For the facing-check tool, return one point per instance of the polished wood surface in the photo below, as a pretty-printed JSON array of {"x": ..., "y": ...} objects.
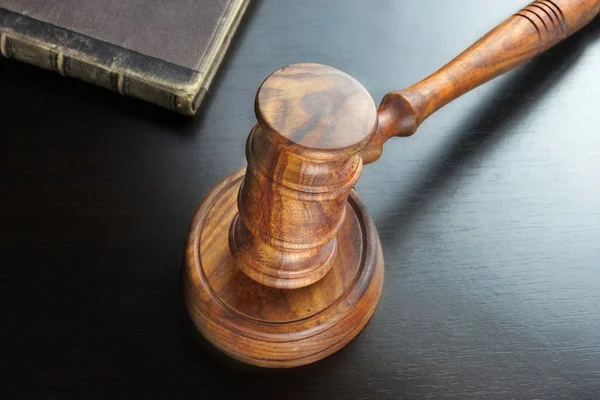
[
  {"x": 526, "y": 34},
  {"x": 303, "y": 160},
  {"x": 283, "y": 263},
  {"x": 316, "y": 107},
  {"x": 316, "y": 127},
  {"x": 488, "y": 219},
  {"x": 269, "y": 326}
]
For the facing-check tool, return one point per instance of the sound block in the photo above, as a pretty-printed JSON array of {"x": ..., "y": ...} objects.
[{"x": 272, "y": 327}]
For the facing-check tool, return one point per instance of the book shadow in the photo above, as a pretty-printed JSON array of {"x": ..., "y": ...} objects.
[{"x": 51, "y": 90}]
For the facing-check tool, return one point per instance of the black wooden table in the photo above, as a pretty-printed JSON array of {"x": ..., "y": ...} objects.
[{"x": 489, "y": 218}]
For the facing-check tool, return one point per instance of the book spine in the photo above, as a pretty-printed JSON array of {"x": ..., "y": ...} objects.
[{"x": 51, "y": 57}]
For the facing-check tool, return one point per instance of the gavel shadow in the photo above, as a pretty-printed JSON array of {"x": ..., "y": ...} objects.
[
  {"x": 248, "y": 380},
  {"x": 487, "y": 125}
]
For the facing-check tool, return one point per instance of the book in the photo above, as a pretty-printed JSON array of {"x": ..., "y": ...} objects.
[{"x": 162, "y": 51}]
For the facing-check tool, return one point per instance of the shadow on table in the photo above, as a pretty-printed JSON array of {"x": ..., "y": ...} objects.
[
  {"x": 293, "y": 383},
  {"x": 484, "y": 127},
  {"x": 23, "y": 78},
  {"x": 199, "y": 358},
  {"x": 488, "y": 124}
]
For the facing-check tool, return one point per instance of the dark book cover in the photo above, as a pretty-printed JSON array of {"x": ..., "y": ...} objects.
[{"x": 162, "y": 51}]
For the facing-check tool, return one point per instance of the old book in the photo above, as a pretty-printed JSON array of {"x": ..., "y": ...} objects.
[{"x": 162, "y": 51}]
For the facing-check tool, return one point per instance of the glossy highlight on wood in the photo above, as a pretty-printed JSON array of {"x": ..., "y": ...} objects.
[
  {"x": 314, "y": 106},
  {"x": 529, "y": 32},
  {"x": 283, "y": 263},
  {"x": 303, "y": 160},
  {"x": 271, "y": 327}
]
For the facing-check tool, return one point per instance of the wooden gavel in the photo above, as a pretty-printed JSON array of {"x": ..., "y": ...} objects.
[{"x": 283, "y": 263}]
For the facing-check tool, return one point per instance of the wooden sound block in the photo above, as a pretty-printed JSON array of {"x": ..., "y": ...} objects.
[{"x": 273, "y": 327}]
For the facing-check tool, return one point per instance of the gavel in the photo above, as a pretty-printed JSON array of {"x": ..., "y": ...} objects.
[{"x": 283, "y": 263}]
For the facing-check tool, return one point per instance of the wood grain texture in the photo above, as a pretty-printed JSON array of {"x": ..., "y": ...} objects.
[
  {"x": 489, "y": 220},
  {"x": 283, "y": 265},
  {"x": 267, "y": 326},
  {"x": 317, "y": 107},
  {"x": 526, "y": 34},
  {"x": 304, "y": 156},
  {"x": 303, "y": 160}
]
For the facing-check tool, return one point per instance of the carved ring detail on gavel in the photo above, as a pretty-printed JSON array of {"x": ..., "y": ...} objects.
[{"x": 283, "y": 264}]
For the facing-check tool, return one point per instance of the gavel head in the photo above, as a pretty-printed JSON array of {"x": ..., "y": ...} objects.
[
  {"x": 303, "y": 160},
  {"x": 283, "y": 264}
]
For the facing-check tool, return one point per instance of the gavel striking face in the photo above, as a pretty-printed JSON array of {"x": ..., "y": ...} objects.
[{"x": 283, "y": 263}]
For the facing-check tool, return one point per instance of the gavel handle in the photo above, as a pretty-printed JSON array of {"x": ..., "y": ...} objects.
[{"x": 529, "y": 32}]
